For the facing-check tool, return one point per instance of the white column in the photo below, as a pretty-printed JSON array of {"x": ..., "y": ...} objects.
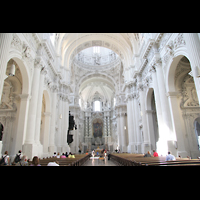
[
  {"x": 162, "y": 142},
  {"x": 169, "y": 136},
  {"x": 178, "y": 124},
  {"x": 122, "y": 132},
  {"x": 63, "y": 122},
  {"x": 144, "y": 119},
  {"x": 108, "y": 125},
  {"x": 60, "y": 118},
  {"x": 130, "y": 124},
  {"x": 22, "y": 122},
  {"x": 86, "y": 124},
  {"x": 118, "y": 131},
  {"x": 47, "y": 119},
  {"x": 5, "y": 41},
  {"x": 164, "y": 101},
  {"x": 150, "y": 127},
  {"x": 90, "y": 125},
  {"x": 39, "y": 108},
  {"x": 193, "y": 48},
  {"x": 137, "y": 131},
  {"x": 104, "y": 124},
  {"x": 52, "y": 147},
  {"x": 29, "y": 147},
  {"x": 134, "y": 134},
  {"x": 33, "y": 105}
]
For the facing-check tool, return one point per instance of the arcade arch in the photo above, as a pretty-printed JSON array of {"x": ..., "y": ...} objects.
[
  {"x": 13, "y": 107},
  {"x": 71, "y": 44},
  {"x": 184, "y": 105}
]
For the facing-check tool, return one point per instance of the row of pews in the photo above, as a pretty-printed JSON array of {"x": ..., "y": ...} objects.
[
  {"x": 127, "y": 159},
  {"x": 79, "y": 160}
]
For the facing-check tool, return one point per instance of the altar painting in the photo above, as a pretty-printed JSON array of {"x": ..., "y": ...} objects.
[{"x": 97, "y": 128}]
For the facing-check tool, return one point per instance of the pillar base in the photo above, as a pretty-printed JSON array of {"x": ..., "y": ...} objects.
[
  {"x": 124, "y": 149},
  {"x": 162, "y": 147},
  {"x": 183, "y": 154},
  {"x": 51, "y": 150},
  {"x": 172, "y": 147},
  {"x": 146, "y": 147},
  {"x": 31, "y": 150},
  {"x": 131, "y": 148}
]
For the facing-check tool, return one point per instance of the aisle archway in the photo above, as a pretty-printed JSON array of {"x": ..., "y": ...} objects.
[
  {"x": 14, "y": 105},
  {"x": 184, "y": 105}
]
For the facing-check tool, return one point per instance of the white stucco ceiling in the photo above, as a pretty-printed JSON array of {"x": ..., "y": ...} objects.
[
  {"x": 70, "y": 44},
  {"x": 96, "y": 84}
]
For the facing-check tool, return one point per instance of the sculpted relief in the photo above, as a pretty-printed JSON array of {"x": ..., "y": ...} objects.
[{"x": 189, "y": 94}]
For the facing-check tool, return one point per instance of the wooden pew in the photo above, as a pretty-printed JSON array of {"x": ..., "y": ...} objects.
[
  {"x": 121, "y": 160},
  {"x": 140, "y": 160},
  {"x": 77, "y": 161}
]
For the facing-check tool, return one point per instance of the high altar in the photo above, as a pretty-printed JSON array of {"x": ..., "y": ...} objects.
[
  {"x": 97, "y": 130},
  {"x": 98, "y": 150}
]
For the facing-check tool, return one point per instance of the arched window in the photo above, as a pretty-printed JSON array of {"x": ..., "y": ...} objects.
[
  {"x": 114, "y": 102},
  {"x": 97, "y": 105},
  {"x": 96, "y": 49}
]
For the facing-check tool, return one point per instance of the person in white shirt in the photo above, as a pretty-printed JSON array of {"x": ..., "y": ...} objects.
[
  {"x": 53, "y": 164},
  {"x": 54, "y": 155},
  {"x": 58, "y": 155},
  {"x": 170, "y": 157},
  {"x": 6, "y": 158}
]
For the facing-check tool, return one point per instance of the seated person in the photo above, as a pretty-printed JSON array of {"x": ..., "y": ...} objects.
[
  {"x": 63, "y": 156},
  {"x": 148, "y": 154},
  {"x": 71, "y": 155},
  {"x": 54, "y": 163},
  {"x": 170, "y": 157},
  {"x": 155, "y": 154},
  {"x": 54, "y": 155}
]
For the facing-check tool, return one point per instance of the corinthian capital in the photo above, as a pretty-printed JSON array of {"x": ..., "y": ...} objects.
[
  {"x": 140, "y": 86},
  {"x": 38, "y": 63},
  {"x": 54, "y": 88},
  {"x": 158, "y": 62}
]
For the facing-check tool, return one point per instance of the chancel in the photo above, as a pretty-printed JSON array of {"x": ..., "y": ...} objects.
[{"x": 134, "y": 92}]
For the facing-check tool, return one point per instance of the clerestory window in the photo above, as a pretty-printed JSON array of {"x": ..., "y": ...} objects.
[
  {"x": 97, "y": 106},
  {"x": 96, "y": 49}
]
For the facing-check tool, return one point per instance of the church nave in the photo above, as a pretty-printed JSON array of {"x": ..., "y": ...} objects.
[
  {"x": 125, "y": 92},
  {"x": 97, "y": 162}
]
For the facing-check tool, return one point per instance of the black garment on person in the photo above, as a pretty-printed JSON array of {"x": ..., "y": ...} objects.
[
  {"x": 147, "y": 155},
  {"x": 17, "y": 158}
]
